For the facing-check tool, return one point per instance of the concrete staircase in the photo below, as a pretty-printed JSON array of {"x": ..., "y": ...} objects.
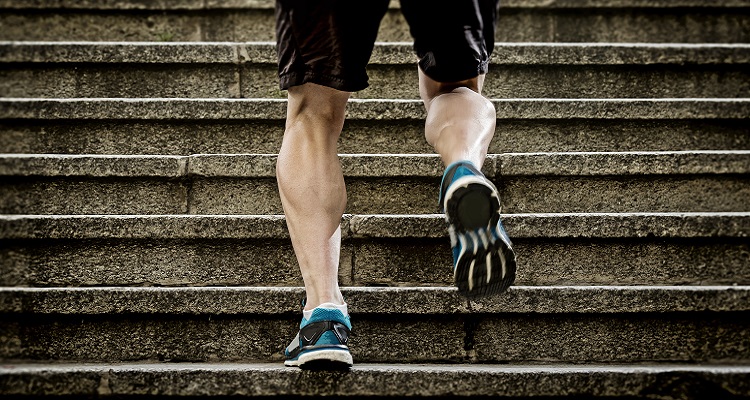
[{"x": 144, "y": 254}]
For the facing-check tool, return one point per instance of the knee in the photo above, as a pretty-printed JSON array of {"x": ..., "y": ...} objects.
[{"x": 315, "y": 110}]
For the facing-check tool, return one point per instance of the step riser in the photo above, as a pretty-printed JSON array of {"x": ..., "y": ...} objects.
[
  {"x": 157, "y": 381},
  {"x": 217, "y": 379},
  {"x": 385, "y": 137},
  {"x": 680, "y": 337},
  {"x": 652, "y": 24},
  {"x": 261, "y": 81},
  {"x": 368, "y": 262},
  {"x": 384, "y": 195}
]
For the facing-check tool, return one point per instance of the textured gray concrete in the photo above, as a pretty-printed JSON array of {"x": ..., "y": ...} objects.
[
  {"x": 519, "y": 71},
  {"x": 157, "y": 262},
  {"x": 220, "y": 338},
  {"x": 563, "y": 225},
  {"x": 394, "y": 4},
  {"x": 210, "y": 379},
  {"x": 371, "y": 110},
  {"x": 523, "y": 21},
  {"x": 562, "y": 262},
  {"x": 383, "y": 184},
  {"x": 22, "y": 195},
  {"x": 188, "y": 80},
  {"x": 625, "y": 163},
  {"x": 575, "y": 164},
  {"x": 604, "y": 225},
  {"x": 598, "y": 250},
  {"x": 369, "y": 262},
  {"x": 184, "y": 137},
  {"x": 624, "y": 194},
  {"x": 394, "y": 302},
  {"x": 203, "y": 324},
  {"x": 92, "y": 166},
  {"x": 144, "y": 227},
  {"x": 618, "y": 338}
]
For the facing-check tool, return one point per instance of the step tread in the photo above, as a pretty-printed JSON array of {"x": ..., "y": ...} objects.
[
  {"x": 394, "y": 53},
  {"x": 367, "y": 109},
  {"x": 558, "y": 225},
  {"x": 273, "y": 379},
  {"x": 381, "y": 165},
  {"x": 269, "y": 4},
  {"x": 374, "y": 300}
]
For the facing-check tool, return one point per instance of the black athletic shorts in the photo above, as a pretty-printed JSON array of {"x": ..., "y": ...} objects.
[{"x": 329, "y": 42}]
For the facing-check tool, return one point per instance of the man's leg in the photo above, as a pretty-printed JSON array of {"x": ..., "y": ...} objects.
[
  {"x": 313, "y": 195},
  {"x": 311, "y": 186},
  {"x": 460, "y": 125},
  {"x": 460, "y": 121}
]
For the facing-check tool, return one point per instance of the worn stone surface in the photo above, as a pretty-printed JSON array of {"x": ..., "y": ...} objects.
[
  {"x": 627, "y": 25},
  {"x": 569, "y": 225},
  {"x": 370, "y": 109},
  {"x": 268, "y": 262},
  {"x": 519, "y": 71},
  {"x": 658, "y": 22},
  {"x": 139, "y": 26},
  {"x": 618, "y": 338},
  {"x": 570, "y": 81},
  {"x": 120, "y": 80},
  {"x": 273, "y": 379},
  {"x": 161, "y": 338},
  {"x": 557, "y": 54},
  {"x": 604, "y": 225},
  {"x": 352, "y": 165},
  {"x": 393, "y": 4},
  {"x": 235, "y": 196},
  {"x": 625, "y": 194},
  {"x": 92, "y": 166},
  {"x": 130, "y": 53},
  {"x": 360, "y": 136},
  {"x": 218, "y": 338},
  {"x": 260, "y": 196},
  {"x": 369, "y": 262},
  {"x": 144, "y": 227},
  {"x": 625, "y": 163},
  {"x": 558, "y": 328},
  {"x": 508, "y": 165},
  {"x": 418, "y": 262},
  {"x": 21, "y": 195},
  {"x": 394, "y": 303},
  {"x": 137, "y": 137}
]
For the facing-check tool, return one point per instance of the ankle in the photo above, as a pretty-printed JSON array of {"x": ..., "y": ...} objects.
[{"x": 341, "y": 307}]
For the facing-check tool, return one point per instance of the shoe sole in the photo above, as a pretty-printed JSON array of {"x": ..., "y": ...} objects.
[
  {"x": 324, "y": 359},
  {"x": 486, "y": 265}
]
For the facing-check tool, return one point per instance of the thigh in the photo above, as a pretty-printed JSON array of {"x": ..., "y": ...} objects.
[
  {"x": 327, "y": 42},
  {"x": 453, "y": 39}
]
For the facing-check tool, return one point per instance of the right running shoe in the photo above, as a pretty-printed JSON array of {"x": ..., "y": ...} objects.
[
  {"x": 321, "y": 341},
  {"x": 483, "y": 259}
]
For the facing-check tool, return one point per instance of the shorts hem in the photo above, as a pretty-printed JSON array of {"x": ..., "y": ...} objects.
[{"x": 296, "y": 79}]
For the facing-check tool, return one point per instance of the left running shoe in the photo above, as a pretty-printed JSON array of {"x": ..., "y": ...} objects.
[
  {"x": 484, "y": 263},
  {"x": 321, "y": 341}
]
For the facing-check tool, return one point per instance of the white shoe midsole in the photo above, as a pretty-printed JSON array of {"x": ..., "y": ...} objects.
[{"x": 341, "y": 356}]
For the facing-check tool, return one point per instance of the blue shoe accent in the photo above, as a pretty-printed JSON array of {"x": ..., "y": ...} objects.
[
  {"x": 483, "y": 259},
  {"x": 321, "y": 342}
]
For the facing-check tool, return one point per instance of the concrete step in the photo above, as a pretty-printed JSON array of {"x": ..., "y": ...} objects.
[
  {"x": 252, "y": 20},
  {"x": 248, "y": 70},
  {"x": 563, "y": 324},
  {"x": 654, "y": 381},
  {"x": 385, "y": 184},
  {"x": 552, "y": 249},
  {"x": 191, "y": 126}
]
